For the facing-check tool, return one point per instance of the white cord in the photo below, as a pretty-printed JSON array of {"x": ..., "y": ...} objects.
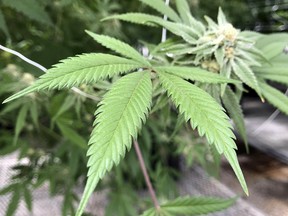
[
  {"x": 29, "y": 61},
  {"x": 164, "y": 30}
]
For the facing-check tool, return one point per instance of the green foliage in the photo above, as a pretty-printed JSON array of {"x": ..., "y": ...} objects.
[
  {"x": 30, "y": 8},
  {"x": 119, "y": 47},
  {"x": 234, "y": 109},
  {"x": 275, "y": 97},
  {"x": 198, "y": 66},
  {"x": 118, "y": 118},
  {"x": 190, "y": 206},
  {"x": 86, "y": 68},
  {"x": 163, "y": 8},
  {"x": 195, "y": 74}
]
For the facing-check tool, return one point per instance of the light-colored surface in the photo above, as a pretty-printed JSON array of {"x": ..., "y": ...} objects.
[
  {"x": 198, "y": 183},
  {"x": 43, "y": 203},
  {"x": 194, "y": 182}
]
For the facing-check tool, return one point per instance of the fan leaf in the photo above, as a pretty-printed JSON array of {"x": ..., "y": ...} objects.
[
  {"x": 234, "y": 109},
  {"x": 275, "y": 97},
  {"x": 119, "y": 47},
  {"x": 196, "y": 205},
  {"x": 245, "y": 73},
  {"x": 195, "y": 73},
  {"x": 161, "y": 7},
  {"x": 118, "y": 118},
  {"x": 206, "y": 115},
  {"x": 187, "y": 33},
  {"x": 74, "y": 71}
]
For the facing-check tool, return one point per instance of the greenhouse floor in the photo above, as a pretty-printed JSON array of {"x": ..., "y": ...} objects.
[
  {"x": 267, "y": 180},
  {"x": 195, "y": 182}
]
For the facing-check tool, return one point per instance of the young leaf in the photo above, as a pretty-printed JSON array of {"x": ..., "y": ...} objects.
[
  {"x": 74, "y": 71},
  {"x": 206, "y": 115},
  {"x": 184, "y": 11},
  {"x": 118, "y": 118},
  {"x": 187, "y": 33},
  {"x": 196, "y": 205},
  {"x": 161, "y": 7},
  {"x": 275, "y": 97},
  {"x": 196, "y": 74},
  {"x": 235, "y": 111},
  {"x": 221, "y": 19},
  {"x": 119, "y": 47},
  {"x": 186, "y": 16},
  {"x": 245, "y": 74},
  {"x": 138, "y": 18}
]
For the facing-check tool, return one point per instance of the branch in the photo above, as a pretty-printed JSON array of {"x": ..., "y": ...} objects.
[{"x": 146, "y": 176}]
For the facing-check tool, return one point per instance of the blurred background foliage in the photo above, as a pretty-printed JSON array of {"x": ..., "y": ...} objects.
[{"x": 51, "y": 130}]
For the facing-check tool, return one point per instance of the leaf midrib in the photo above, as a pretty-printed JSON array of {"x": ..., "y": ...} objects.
[
  {"x": 74, "y": 71},
  {"x": 109, "y": 142}
]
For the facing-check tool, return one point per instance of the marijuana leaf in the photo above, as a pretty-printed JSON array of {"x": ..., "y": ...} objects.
[
  {"x": 119, "y": 47},
  {"x": 234, "y": 109},
  {"x": 196, "y": 74},
  {"x": 190, "y": 206},
  {"x": 118, "y": 118},
  {"x": 206, "y": 115},
  {"x": 74, "y": 71},
  {"x": 161, "y": 7},
  {"x": 275, "y": 97}
]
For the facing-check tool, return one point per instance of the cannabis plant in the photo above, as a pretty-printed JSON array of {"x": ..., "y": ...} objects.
[{"x": 198, "y": 68}]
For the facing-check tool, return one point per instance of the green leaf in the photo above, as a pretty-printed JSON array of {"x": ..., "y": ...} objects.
[
  {"x": 74, "y": 71},
  {"x": 118, "y": 118},
  {"x": 3, "y": 25},
  {"x": 196, "y": 205},
  {"x": 20, "y": 122},
  {"x": 196, "y": 74},
  {"x": 187, "y": 33},
  {"x": 119, "y": 47},
  {"x": 69, "y": 102},
  {"x": 12, "y": 207},
  {"x": 206, "y": 115},
  {"x": 151, "y": 212},
  {"x": 281, "y": 78},
  {"x": 184, "y": 11},
  {"x": 235, "y": 111},
  {"x": 161, "y": 7},
  {"x": 72, "y": 135},
  {"x": 7, "y": 189},
  {"x": 275, "y": 97},
  {"x": 137, "y": 18},
  {"x": 220, "y": 55},
  {"x": 28, "y": 198},
  {"x": 221, "y": 19},
  {"x": 34, "y": 113},
  {"x": 245, "y": 73},
  {"x": 185, "y": 14},
  {"x": 30, "y": 8}
]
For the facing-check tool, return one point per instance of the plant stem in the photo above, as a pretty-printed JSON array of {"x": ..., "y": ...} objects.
[{"x": 146, "y": 176}]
